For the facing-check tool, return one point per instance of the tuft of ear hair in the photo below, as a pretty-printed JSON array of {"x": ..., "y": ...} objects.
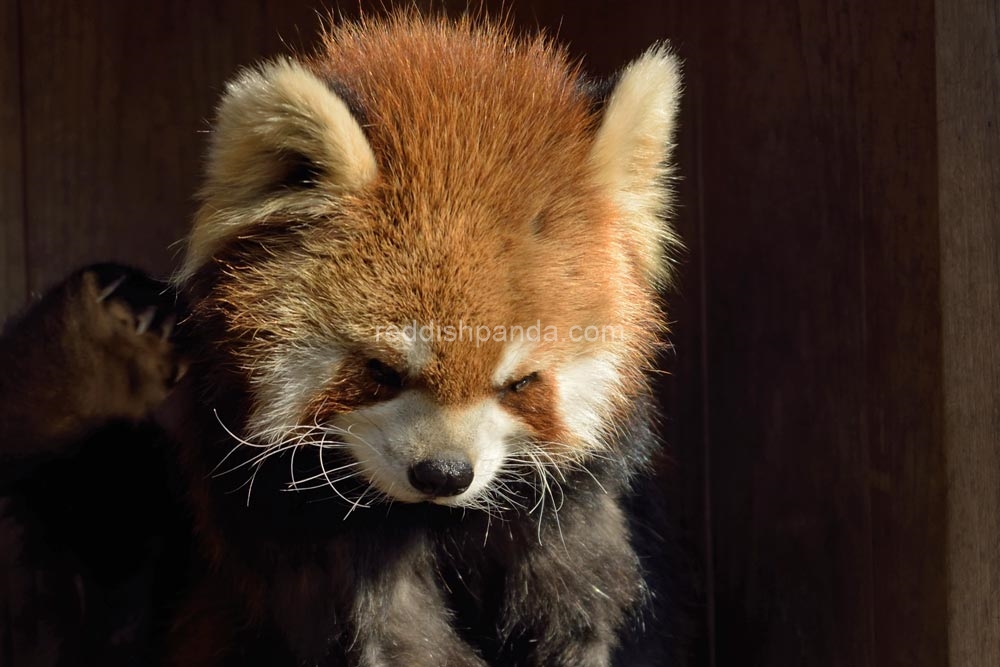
[
  {"x": 279, "y": 130},
  {"x": 632, "y": 152}
]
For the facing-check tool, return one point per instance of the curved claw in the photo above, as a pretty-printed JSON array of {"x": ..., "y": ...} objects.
[
  {"x": 145, "y": 319},
  {"x": 110, "y": 289}
]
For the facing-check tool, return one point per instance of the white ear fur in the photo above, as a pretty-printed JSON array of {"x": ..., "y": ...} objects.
[
  {"x": 269, "y": 114},
  {"x": 631, "y": 155}
]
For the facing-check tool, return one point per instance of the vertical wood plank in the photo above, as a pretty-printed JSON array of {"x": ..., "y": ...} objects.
[
  {"x": 12, "y": 259},
  {"x": 968, "y": 75},
  {"x": 786, "y": 340},
  {"x": 118, "y": 93},
  {"x": 903, "y": 420},
  {"x": 820, "y": 218}
]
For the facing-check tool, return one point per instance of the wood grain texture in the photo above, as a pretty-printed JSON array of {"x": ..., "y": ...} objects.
[
  {"x": 117, "y": 93},
  {"x": 12, "y": 255},
  {"x": 823, "y": 331},
  {"x": 968, "y": 75},
  {"x": 907, "y": 486}
]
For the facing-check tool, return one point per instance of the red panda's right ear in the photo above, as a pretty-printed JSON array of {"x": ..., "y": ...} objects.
[{"x": 282, "y": 140}]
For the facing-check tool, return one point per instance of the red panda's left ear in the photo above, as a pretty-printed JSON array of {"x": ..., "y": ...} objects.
[
  {"x": 283, "y": 142},
  {"x": 631, "y": 156}
]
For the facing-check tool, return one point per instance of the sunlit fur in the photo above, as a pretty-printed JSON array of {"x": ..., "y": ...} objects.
[{"x": 454, "y": 174}]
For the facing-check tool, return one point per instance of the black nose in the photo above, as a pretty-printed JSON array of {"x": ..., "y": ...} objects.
[{"x": 441, "y": 477}]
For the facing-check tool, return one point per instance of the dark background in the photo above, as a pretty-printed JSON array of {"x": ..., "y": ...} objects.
[{"x": 834, "y": 403}]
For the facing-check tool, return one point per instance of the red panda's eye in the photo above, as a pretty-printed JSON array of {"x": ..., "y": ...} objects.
[
  {"x": 518, "y": 385},
  {"x": 384, "y": 374}
]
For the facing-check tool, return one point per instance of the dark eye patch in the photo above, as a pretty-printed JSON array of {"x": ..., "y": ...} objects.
[
  {"x": 384, "y": 374},
  {"x": 520, "y": 385},
  {"x": 361, "y": 381}
]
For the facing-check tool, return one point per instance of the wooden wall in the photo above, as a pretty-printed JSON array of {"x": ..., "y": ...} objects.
[
  {"x": 12, "y": 218},
  {"x": 822, "y": 327},
  {"x": 833, "y": 405},
  {"x": 968, "y": 97},
  {"x": 103, "y": 102}
]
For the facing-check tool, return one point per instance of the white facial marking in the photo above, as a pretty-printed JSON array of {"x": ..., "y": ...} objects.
[
  {"x": 514, "y": 355},
  {"x": 389, "y": 437},
  {"x": 416, "y": 351},
  {"x": 407, "y": 341},
  {"x": 284, "y": 387},
  {"x": 586, "y": 389}
]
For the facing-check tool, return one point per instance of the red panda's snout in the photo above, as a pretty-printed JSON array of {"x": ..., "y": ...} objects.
[{"x": 412, "y": 449}]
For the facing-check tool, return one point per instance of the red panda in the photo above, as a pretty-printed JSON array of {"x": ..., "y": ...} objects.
[{"x": 427, "y": 479}]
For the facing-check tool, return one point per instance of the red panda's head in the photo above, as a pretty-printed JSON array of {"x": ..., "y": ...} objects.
[{"x": 427, "y": 246}]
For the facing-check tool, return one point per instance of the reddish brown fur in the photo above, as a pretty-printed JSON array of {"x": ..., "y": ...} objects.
[
  {"x": 470, "y": 184},
  {"x": 458, "y": 123},
  {"x": 537, "y": 406},
  {"x": 353, "y": 388}
]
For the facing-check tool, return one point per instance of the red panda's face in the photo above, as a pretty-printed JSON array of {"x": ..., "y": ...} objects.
[{"x": 429, "y": 251}]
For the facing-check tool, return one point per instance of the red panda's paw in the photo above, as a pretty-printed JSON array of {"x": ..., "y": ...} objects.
[{"x": 124, "y": 322}]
